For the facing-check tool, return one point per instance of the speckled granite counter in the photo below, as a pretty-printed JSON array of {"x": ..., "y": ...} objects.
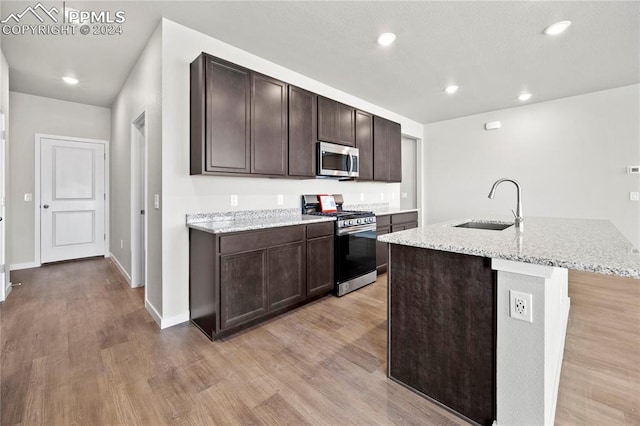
[
  {"x": 581, "y": 244},
  {"x": 249, "y": 220},
  {"x": 380, "y": 209}
]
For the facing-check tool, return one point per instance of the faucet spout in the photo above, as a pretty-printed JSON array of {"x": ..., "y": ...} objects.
[{"x": 518, "y": 212}]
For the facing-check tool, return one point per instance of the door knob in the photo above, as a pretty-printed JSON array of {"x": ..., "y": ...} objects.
[{"x": 46, "y": 206}]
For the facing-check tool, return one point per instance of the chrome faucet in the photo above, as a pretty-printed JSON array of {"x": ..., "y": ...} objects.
[{"x": 518, "y": 212}]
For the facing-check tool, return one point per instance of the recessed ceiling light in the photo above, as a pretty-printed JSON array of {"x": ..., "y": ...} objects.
[
  {"x": 386, "y": 39},
  {"x": 451, "y": 89},
  {"x": 524, "y": 97},
  {"x": 70, "y": 80},
  {"x": 557, "y": 28}
]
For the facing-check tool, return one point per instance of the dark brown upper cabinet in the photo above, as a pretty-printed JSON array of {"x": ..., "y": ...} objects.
[
  {"x": 364, "y": 143},
  {"x": 387, "y": 145},
  {"x": 220, "y": 116},
  {"x": 302, "y": 132},
  {"x": 269, "y": 115},
  {"x": 336, "y": 122}
]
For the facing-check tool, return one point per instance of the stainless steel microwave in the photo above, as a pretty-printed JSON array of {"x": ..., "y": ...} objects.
[{"x": 337, "y": 160}]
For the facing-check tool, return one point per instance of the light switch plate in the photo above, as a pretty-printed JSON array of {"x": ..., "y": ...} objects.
[
  {"x": 28, "y": 197},
  {"x": 156, "y": 201},
  {"x": 280, "y": 199},
  {"x": 234, "y": 200},
  {"x": 634, "y": 196}
]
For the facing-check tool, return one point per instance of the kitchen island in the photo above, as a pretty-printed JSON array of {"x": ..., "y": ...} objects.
[{"x": 477, "y": 318}]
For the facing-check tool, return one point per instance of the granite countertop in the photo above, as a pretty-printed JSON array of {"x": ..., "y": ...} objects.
[
  {"x": 581, "y": 244},
  {"x": 380, "y": 209},
  {"x": 250, "y": 220}
]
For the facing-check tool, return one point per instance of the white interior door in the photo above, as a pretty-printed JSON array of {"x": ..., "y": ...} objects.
[{"x": 72, "y": 200}]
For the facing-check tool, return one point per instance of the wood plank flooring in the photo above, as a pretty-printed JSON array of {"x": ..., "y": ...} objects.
[{"x": 78, "y": 347}]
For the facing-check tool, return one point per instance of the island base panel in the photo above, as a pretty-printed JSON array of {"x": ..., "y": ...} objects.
[{"x": 442, "y": 331}]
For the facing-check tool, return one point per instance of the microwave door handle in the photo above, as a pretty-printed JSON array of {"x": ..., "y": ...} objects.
[{"x": 350, "y": 164}]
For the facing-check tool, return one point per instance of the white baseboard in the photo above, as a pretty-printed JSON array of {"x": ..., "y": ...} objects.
[
  {"x": 26, "y": 265},
  {"x": 175, "y": 320},
  {"x": 154, "y": 314},
  {"x": 120, "y": 268},
  {"x": 7, "y": 290},
  {"x": 165, "y": 322},
  {"x": 556, "y": 384}
]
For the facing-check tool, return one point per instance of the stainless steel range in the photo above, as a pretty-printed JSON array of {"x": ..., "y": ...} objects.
[{"x": 354, "y": 244}]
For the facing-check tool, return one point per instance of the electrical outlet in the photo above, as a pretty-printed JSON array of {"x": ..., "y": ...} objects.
[
  {"x": 280, "y": 199},
  {"x": 382, "y": 195},
  {"x": 121, "y": 244},
  {"x": 520, "y": 306},
  {"x": 404, "y": 195},
  {"x": 156, "y": 201},
  {"x": 362, "y": 196},
  {"x": 234, "y": 200},
  {"x": 634, "y": 196}
]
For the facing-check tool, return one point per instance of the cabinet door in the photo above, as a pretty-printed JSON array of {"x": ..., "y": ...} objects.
[
  {"x": 327, "y": 120},
  {"x": 346, "y": 125},
  {"x": 227, "y": 112},
  {"x": 396, "y": 228},
  {"x": 382, "y": 255},
  {"x": 269, "y": 147},
  {"x": 394, "y": 154},
  {"x": 302, "y": 132},
  {"x": 319, "y": 265},
  {"x": 364, "y": 143},
  {"x": 243, "y": 287},
  {"x": 380, "y": 164},
  {"x": 387, "y": 145},
  {"x": 286, "y": 275}
]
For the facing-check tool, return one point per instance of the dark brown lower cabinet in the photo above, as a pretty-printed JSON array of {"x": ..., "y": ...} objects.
[
  {"x": 442, "y": 332},
  {"x": 286, "y": 271},
  {"x": 391, "y": 223},
  {"x": 239, "y": 279},
  {"x": 320, "y": 265},
  {"x": 243, "y": 287}
]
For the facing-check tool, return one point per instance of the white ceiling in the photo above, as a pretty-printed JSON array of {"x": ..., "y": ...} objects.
[{"x": 492, "y": 50}]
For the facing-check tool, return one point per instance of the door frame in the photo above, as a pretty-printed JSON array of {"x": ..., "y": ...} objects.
[
  {"x": 5, "y": 285},
  {"x": 36, "y": 194},
  {"x": 138, "y": 248}
]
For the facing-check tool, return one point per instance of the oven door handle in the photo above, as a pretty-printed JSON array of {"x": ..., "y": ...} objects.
[{"x": 356, "y": 229}]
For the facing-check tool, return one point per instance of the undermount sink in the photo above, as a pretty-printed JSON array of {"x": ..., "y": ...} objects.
[{"x": 494, "y": 226}]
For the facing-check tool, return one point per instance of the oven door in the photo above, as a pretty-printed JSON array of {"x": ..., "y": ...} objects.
[
  {"x": 337, "y": 160},
  {"x": 355, "y": 254}
]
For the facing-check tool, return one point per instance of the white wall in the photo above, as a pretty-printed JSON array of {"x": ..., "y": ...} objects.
[
  {"x": 184, "y": 194},
  {"x": 140, "y": 93},
  {"x": 30, "y": 115},
  {"x": 569, "y": 155}
]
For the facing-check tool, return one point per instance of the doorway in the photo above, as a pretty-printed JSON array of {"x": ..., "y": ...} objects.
[
  {"x": 71, "y": 198},
  {"x": 3, "y": 278},
  {"x": 138, "y": 202},
  {"x": 409, "y": 187}
]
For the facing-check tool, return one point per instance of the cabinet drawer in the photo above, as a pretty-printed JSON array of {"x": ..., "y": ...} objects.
[
  {"x": 254, "y": 240},
  {"x": 404, "y": 217},
  {"x": 383, "y": 220},
  {"x": 319, "y": 230}
]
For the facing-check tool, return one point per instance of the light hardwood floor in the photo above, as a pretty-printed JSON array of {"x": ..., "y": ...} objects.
[{"x": 78, "y": 347}]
